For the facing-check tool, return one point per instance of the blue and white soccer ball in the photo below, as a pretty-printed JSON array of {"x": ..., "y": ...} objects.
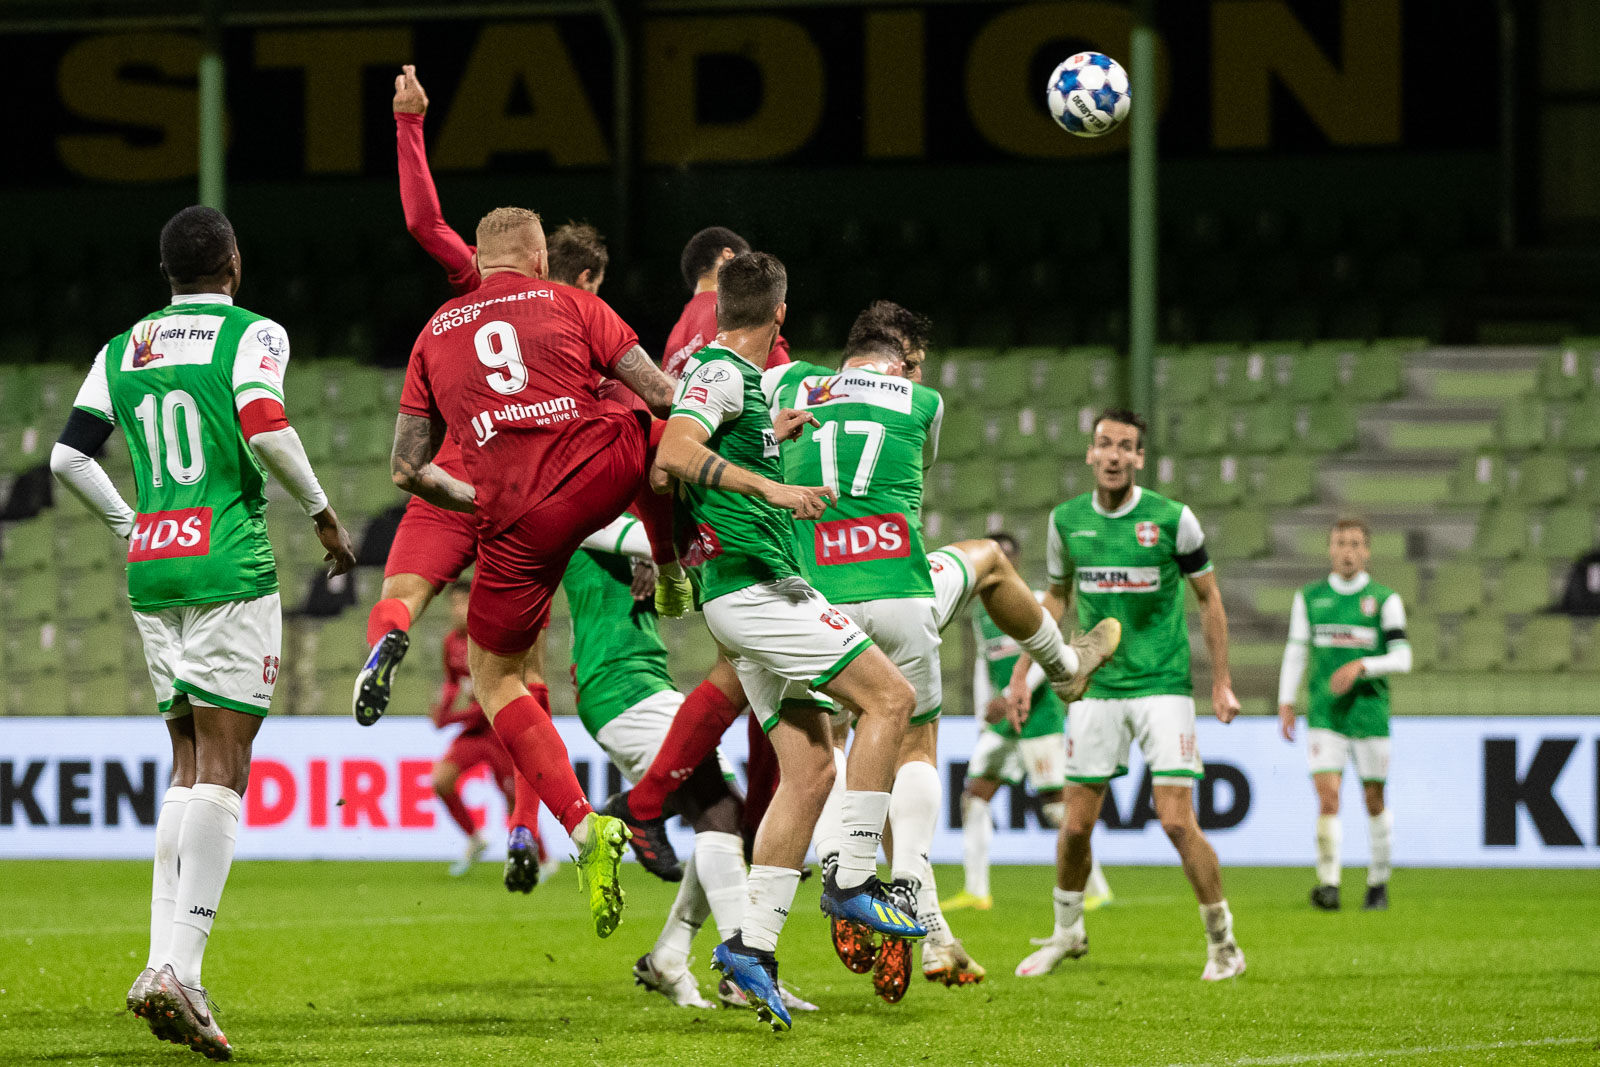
[{"x": 1088, "y": 94}]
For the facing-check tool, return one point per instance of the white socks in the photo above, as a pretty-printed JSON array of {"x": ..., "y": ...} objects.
[
  {"x": 1096, "y": 886},
  {"x": 1380, "y": 835},
  {"x": 719, "y": 860},
  {"x": 862, "y": 817},
  {"x": 1218, "y": 921},
  {"x": 914, "y": 808},
  {"x": 1051, "y": 652},
  {"x": 1069, "y": 912},
  {"x": 1330, "y": 835},
  {"x": 687, "y": 914},
  {"x": 830, "y": 824},
  {"x": 771, "y": 896},
  {"x": 205, "y": 852},
  {"x": 164, "y": 884},
  {"x": 977, "y": 830}
]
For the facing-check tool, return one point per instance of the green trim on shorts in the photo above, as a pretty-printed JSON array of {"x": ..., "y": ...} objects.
[
  {"x": 1120, "y": 772},
  {"x": 165, "y": 706},
  {"x": 960, "y": 559},
  {"x": 844, "y": 661},
  {"x": 926, "y": 717},
  {"x": 804, "y": 702},
  {"x": 190, "y": 689},
  {"x": 1178, "y": 774},
  {"x": 1374, "y": 781}
]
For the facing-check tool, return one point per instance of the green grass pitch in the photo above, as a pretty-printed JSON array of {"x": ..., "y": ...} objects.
[{"x": 397, "y": 964}]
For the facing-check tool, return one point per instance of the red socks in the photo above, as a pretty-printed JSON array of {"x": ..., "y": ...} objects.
[
  {"x": 539, "y": 754},
  {"x": 391, "y": 614},
  {"x": 699, "y": 724},
  {"x": 525, "y": 812},
  {"x": 762, "y": 772},
  {"x": 458, "y": 811}
]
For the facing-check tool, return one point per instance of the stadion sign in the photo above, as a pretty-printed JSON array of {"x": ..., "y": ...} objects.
[{"x": 1470, "y": 792}]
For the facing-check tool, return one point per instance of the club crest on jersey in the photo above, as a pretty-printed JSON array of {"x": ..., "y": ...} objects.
[
  {"x": 1369, "y": 605},
  {"x": 269, "y": 669},
  {"x": 822, "y": 392},
  {"x": 1148, "y": 534}
]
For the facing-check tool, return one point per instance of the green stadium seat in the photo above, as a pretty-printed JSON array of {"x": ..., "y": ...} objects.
[
  {"x": 25, "y": 447},
  {"x": 1543, "y": 478},
  {"x": 1575, "y": 425},
  {"x": 1240, "y": 533},
  {"x": 1033, "y": 484},
  {"x": 354, "y": 390},
  {"x": 1480, "y": 644},
  {"x": 1183, "y": 379},
  {"x": 1281, "y": 480},
  {"x": 27, "y": 545},
  {"x": 93, "y": 649},
  {"x": 1273, "y": 600},
  {"x": 1374, "y": 374},
  {"x": 1165, "y": 475},
  {"x": 1521, "y": 426},
  {"x": 316, "y": 434},
  {"x": 1478, "y": 480},
  {"x": 1214, "y": 482},
  {"x": 1264, "y": 428},
  {"x": 1567, "y": 532},
  {"x": 42, "y": 692},
  {"x": 998, "y": 384},
  {"x": 88, "y": 597},
  {"x": 1564, "y": 373},
  {"x": 1423, "y": 634},
  {"x": 1456, "y": 588},
  {"x": 29, "y": 597},
  {"x": 1200, "y": 430},
  {"x": 963, "y": 486},
  {"x": 1248, "y": 377},
  {"x": 1405, "y": 578},
  {"x": 1524, "y": 588},
  {"x": 1502, "y": 533},
  {"x": 1019, "y": 435},
  {"x": 1544, "y": 644},
  {"x": 32, "y": 648},
  {"x": 1328, "y": 426},
  {"x": 1585, "y": 481},
  {"x": 961, "y": 435},
  {"x": 1060, "y": 380},
  {"x": 103, "y": 693},
  {"x": 1312, "y": 375},
  {"x": 363, "y": 439}
]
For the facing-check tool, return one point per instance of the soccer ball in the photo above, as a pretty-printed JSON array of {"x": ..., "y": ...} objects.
[{"x": 1088, "y": 94}]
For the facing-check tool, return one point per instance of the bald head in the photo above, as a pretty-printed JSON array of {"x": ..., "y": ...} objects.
[{"x": 512, "y": 238}]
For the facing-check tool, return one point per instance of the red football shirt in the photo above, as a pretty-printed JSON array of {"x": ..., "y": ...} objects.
[
  {"x": 513, "y": 369},
  {"x": 455, "y": 671},
  {"x": 696, "y": 328}
]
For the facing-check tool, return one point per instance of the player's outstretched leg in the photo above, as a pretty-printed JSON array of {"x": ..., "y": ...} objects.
[
  {"x": 914, "y": 804},
  {"x": 403, "y": 599}
]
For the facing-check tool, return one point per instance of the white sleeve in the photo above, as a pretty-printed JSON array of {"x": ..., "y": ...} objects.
[
  {"x": 711, "y": 396},
  {"x": 622, "y": 536},
  {"x": 88, "y": 481},
  {"x": 771, "y": 378},
  {"x": 94, "y": 395},
  {"x": 982, "y": 691},
  {"x": 1190, "y": 535},
  {"x": 1035, "y": 677},
  {"x": 1295, "y": 652},
  {"x": 1055, "y": 555},
  {"x": 930, "y": 444},
  {"x": 1392, "y": 617},
  {"x": 281, "y": 452},
  {"x": 259, "y": 365}
]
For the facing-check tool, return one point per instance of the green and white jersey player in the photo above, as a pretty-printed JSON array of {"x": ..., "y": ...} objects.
[
  {"x": 1005, "y": 754},
  {"x": 783, "y": 637},
  {"x": 626, "y": 701},
  {"x": 1352, "y": 630},
  {"x": 1123, "y": 552},
  {"x": 197, "y": 389}
]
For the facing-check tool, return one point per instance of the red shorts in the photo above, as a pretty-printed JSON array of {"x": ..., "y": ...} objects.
[
  {"x": 469, "y": 750},
  {"x": 520, "y": 567},
  {"x": 433, "y": 543}
]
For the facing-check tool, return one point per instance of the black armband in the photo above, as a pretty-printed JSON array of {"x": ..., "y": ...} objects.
[
  {"x": 85, "y": 432},
  {"x": 1193, "y": 562},
  {"x": 1394, "y": 635}
]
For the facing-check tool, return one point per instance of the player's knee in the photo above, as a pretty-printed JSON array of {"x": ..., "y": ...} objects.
[{"x": 1374, "y": 800}]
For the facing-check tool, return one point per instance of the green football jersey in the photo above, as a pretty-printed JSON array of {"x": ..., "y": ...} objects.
[
  {"x": 1346, "y": 626},
  {"x": 175, "y": 383},
  {"x": 617, "y": 655},
  {"x": 741, "y": 540},
  {"x": 878, "y": 434},
  {"x": 1000, "y": 652},
  {"x": 1130, "y": 565}
]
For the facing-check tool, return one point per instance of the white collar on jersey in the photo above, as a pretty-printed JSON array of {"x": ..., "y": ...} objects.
[
  {"x": 731, "y": 352},
  {"x": 200, "y": 298},
  {"x": 1133, "y": 502},
  {"x": 1353, "y": 585}
]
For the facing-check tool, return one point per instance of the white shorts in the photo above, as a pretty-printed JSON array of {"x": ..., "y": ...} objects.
[
  {"x": 1100, "y": 731},
  {"x": 224, "y": 655},
  {"x": 953, "y": 581},
  {"x": 632, "y": 739},
  {"x": 907, "y": 630},
  {"x": 783, "y": 638},
  {"x": 1328, "y": 751},
  {"x": 1041, "y": 760}
]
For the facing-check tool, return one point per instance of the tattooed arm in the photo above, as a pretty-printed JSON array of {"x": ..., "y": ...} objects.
[
  {"x": 683, "y": 454},
  {"x": 416, "y": 442},
  {"x": 636, "y": 371}
]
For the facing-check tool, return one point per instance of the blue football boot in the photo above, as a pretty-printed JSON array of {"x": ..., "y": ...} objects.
[
  {"x": 869, "y": 904},
  {"x": 755, "y": 973}
]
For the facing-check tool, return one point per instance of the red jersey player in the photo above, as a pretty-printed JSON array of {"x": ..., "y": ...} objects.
[
  {"x": 513, "y": 369},
  {"x": 475, "y": 746},
  {"x": 702, "y": 258}
]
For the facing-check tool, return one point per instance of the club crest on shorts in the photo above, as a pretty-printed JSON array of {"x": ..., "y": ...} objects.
[
  {"x": 269, "y": 669},
  {"x": 1148, "y": 534},
  {"x": 1369, "y": 605}
]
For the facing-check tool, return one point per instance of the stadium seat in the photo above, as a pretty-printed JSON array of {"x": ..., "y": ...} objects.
[
  {"x": 1523, "y": 588},
  {"x": 1423, "y": 634},
  {"x": 1456, "y": 588},
  {"x": 1328, "y": 426},
  {"x": 1240, "y": 533},
  {"x": 998, "y": 384},
  {"x": 1564, "y": 373},
  {"x": 1575, "y": 425},
  {"x": 86, "y": 598},
  {"x": 1480, "y": 644},
  {"x": 1035, "y": 484},
  {"x": 1502, "y": 533},
  {"x": 961, "y": 435},
  {"x": 1544, "y": 644},
  {"x": 1183, "y": 379},
  {"x": 1248, "y": 378},
  {"x": 102, "y": 693},
  {"x": 1543, "y": 478},
  {"x": 1478, "y": 480},
  {"x": 1374, "y": 374},
  {"x": 1264, "y": 428},
  {"x": 1521, "y": 426},
  {"x": 1405, "y": 578},
  {"x": 27, "y": 545},
  {"x": 1215, "y": 482},
  {"x": 1281, "y": 480},
  {"x": 29, "y": 597},
  {"x": 1200, "y": 430},
  {"x": 1566, "y": 532},
  {"x": 93, "y": 649},
  {"x": 1311, "y": 375}
]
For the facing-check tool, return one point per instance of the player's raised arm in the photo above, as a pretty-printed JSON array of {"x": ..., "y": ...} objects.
[
  {"x": 72, "y": 459},
  {"x": 1296, "y": 653},
  {"x": 1194, "y": 563},
  {"x": 418, "y": 197},
  {"x": 684, "y": 455},
  {"x": 636, "y": 370}
]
